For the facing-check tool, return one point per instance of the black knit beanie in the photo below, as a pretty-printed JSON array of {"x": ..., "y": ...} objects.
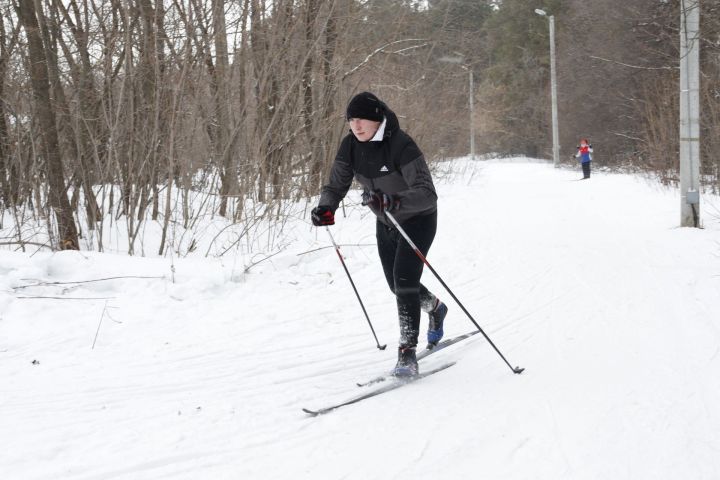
[{"x": 366, "y": 105}]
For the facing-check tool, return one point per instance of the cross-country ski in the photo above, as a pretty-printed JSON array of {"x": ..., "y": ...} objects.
[
  {"x": 396, "y": 383},
  {"x": 423, "y": 354}
]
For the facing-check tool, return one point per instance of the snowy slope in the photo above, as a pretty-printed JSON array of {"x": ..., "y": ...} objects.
[{"x": 201, "y": 373}]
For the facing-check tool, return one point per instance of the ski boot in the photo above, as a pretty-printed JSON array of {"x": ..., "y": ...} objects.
[
  {"x": 435, "y": 328},
  {"x": 407, "y": 365}
]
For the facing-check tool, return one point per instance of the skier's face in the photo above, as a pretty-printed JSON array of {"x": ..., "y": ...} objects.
[{"x": 363, "y": 129}]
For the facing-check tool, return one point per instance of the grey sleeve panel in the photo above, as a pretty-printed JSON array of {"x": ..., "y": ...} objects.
[
  {"x": 420, "y": 195},
  {"x": 341, "y": 177}
]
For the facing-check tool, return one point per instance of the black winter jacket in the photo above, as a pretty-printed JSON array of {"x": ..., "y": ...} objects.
[{"x": 395, "y": 166}]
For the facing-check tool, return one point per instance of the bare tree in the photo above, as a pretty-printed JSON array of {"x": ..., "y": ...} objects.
[
  {"x": 39, "y": 78},
  {"x": 8, "y": 194}
]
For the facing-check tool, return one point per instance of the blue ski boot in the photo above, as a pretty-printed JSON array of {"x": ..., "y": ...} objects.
[
  {"x": 407, "y": 365},
  {"x": 435, "y": 328}
]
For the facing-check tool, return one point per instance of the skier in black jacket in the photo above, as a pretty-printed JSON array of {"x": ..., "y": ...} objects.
[{"x": 395, "y": 178}]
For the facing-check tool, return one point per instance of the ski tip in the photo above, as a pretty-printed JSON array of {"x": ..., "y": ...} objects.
[
  {"x": 518, "y": 370},
  {"x": 312, "y": 413}
]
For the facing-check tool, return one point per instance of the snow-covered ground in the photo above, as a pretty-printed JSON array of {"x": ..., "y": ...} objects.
[{"x": 192, "y": 368}]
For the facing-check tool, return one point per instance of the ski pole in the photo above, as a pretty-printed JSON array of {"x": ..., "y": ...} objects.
[
  {"x": 337, "y": 250},
  {"x": 422, "y": 257}
]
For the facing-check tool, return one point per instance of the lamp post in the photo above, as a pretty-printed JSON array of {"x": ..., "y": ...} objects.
[
  {"x": 459, "y": 61},
  {"x": 553, "y": 87},
  {"x": 472, "y": 113}
]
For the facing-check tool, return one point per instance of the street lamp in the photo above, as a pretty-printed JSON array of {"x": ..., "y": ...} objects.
[
  {"x": 553, "y": 87},
  {"x": 459, "y": 61}
]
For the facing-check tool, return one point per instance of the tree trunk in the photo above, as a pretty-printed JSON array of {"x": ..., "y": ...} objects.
[
  {"x": 39, "y": 79},
  {"x": 221, "y": 81},
  {"x": 5, "y": 195},
  {"x": 85, "y": 123}
]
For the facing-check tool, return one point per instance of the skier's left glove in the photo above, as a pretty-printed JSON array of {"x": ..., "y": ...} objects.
[
  {"x": 322, "y": 215},
  {"x": 380, "y": 201}
]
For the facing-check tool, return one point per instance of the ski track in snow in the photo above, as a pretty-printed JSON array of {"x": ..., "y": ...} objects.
[{"x": 589, "y": 285}]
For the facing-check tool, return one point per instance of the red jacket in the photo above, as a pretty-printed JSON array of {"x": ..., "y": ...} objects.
[{"x": 584, "y": 153}]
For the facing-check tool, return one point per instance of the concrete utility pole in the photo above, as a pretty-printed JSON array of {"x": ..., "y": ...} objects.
[
  {"x": 689, "y": 113},
  {"x": 553, "y": 87}
]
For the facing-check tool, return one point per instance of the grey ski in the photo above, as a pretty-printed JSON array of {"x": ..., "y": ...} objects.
[
  {"x": 425, "y": 353},
  {"x": 397, "y": 383}
]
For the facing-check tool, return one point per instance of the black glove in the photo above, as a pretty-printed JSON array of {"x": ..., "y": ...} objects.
[
  {"x": 381, "y": 201},
  {"x": 322, "y": 216}
]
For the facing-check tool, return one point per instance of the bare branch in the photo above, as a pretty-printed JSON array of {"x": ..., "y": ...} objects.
[
  {"x": 633, "y": 66},
  {"x": 375, "y": 52}
]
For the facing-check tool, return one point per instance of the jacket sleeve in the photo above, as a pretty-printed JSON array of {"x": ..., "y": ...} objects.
[
  {"x": 341, "y": 177},
  {"x": 420, "y": 195}
]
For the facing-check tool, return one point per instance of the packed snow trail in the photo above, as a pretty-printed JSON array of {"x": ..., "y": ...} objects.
[{"x": 201, "y": 373}]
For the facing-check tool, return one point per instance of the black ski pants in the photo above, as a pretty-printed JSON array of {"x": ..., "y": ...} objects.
[
  {"x": 403, "y": 269},
  {"x": 586, "y": 169}
]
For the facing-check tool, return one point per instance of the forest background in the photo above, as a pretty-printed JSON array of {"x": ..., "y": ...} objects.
[{"x": 166, "y": 111}]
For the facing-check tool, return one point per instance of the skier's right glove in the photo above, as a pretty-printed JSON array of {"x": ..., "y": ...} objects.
[
  {"x": 322, "y": 216},
  {"x": 380, "y": 201}
]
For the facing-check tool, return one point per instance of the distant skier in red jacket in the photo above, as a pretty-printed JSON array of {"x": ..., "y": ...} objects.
[{"x": 584, "y": 153}]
